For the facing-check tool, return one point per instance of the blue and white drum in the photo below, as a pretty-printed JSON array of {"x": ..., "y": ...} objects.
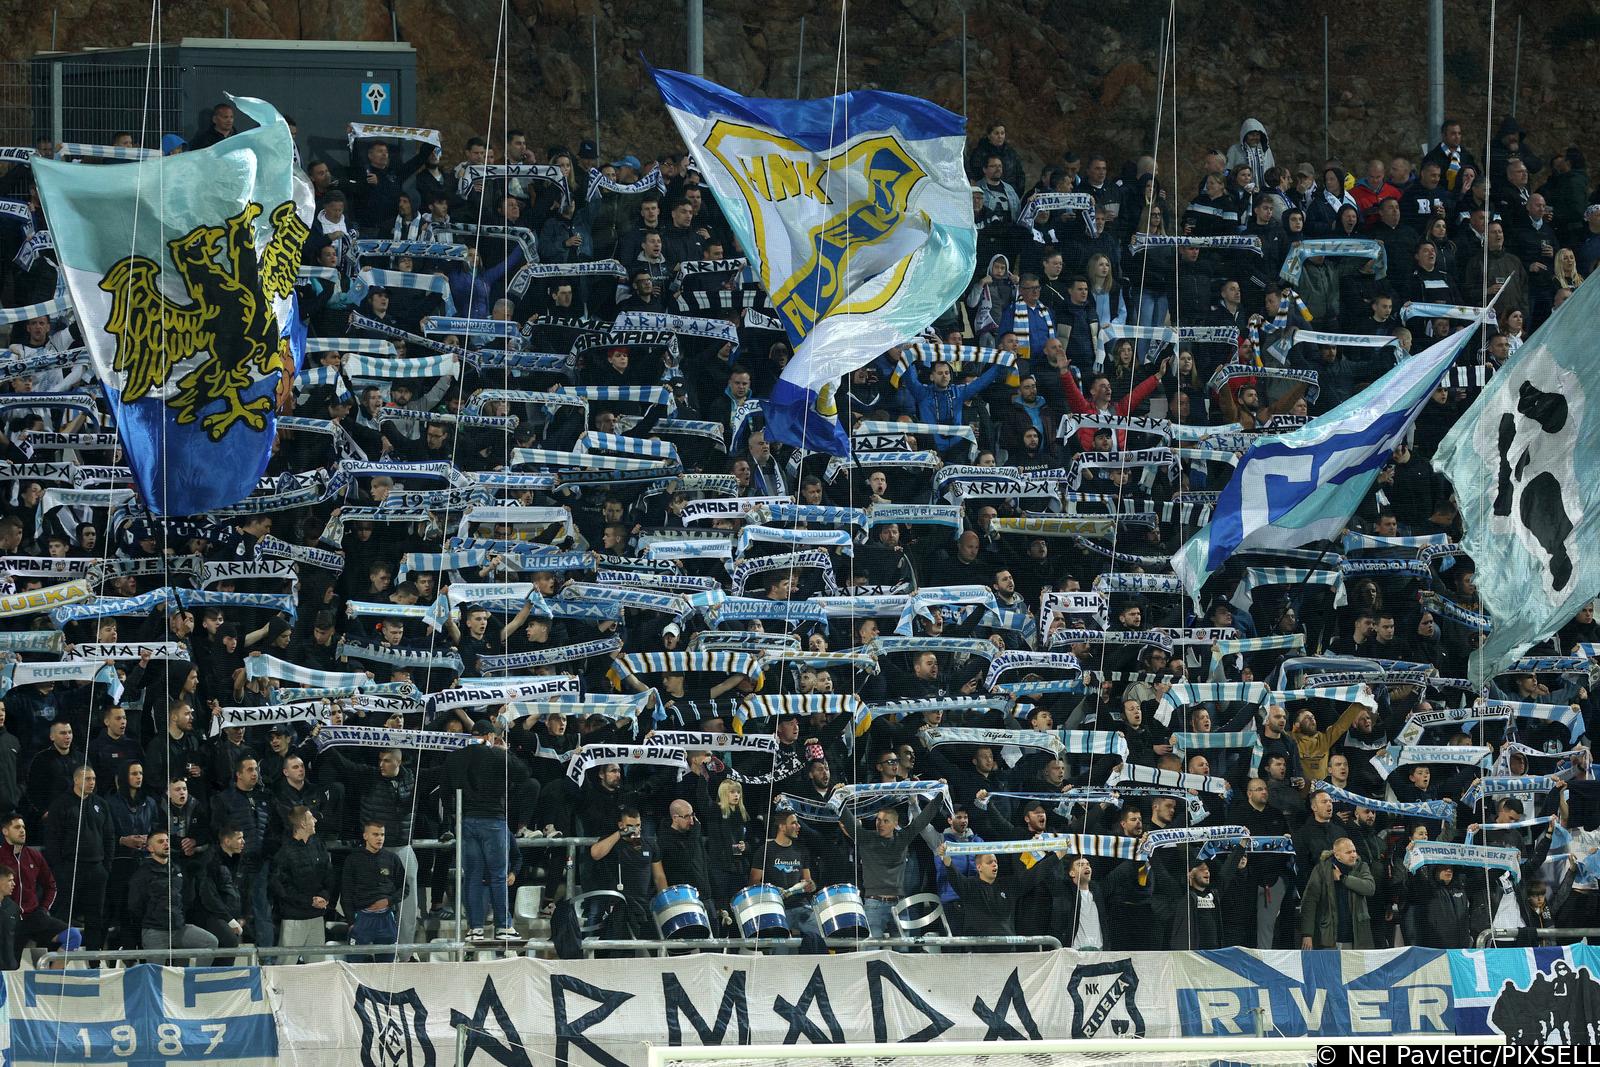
[
  {"x": 759, "y": 912},
  {"x": 840, "y": 912},
  {"x": 679, "y": 912}
]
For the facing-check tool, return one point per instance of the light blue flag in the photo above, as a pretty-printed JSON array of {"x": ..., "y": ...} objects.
[
  {"x": 857, "y": 214},
  {"x": 1303, "y": 486},
  {"x": 182, "y": 271},
  {"x": 1523, "y": 462}
]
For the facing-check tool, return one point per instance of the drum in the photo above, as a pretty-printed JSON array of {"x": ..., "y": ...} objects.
[
  {"x": 759, "y": 912},
  {"x": 840, "y": 912},
  {"x": 679, "y": 912}
]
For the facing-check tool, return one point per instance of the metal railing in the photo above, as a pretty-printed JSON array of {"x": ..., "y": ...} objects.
[
  {"x": 1488, "y": 938},
  {"x": 255, "y": 955},
  {"x": 666, "y": 946}
]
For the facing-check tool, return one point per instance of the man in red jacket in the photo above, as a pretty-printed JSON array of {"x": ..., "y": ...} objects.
[
  {"x": 35, "y": 888},
  {"x": 1098, "y": 402}
]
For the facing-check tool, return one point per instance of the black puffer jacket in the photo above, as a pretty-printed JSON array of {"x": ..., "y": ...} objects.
[
  {"x": 155, "y": 896},
  {"x": 301, "y": 870}
]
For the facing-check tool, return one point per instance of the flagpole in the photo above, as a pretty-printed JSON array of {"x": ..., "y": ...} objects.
[{"x": 697, "y": 38}]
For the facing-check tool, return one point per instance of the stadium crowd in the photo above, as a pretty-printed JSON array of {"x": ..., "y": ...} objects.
[{"x": 981, "y": 602}]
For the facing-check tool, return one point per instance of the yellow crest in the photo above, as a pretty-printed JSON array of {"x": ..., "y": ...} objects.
[
  {"x": 230, "y": 321},
  {"x": 817, "y": 218}
]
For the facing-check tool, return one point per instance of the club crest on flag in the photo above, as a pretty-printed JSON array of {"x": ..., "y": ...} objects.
[
  {"x": 181, "y": 271},
  {"x": 230, "y": 325},
  {"x": 859, "y": 198},
  {"x": 857, "y": 215}
]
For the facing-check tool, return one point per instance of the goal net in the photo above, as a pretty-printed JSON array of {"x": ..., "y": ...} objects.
[{"x": 1187, "y": 1052}]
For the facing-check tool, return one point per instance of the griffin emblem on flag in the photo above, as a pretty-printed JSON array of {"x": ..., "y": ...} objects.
[{"x": 231, "y": 321}]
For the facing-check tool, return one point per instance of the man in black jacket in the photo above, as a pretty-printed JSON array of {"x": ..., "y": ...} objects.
[
  {"x": 155, "y": 901},
  {"x": 302, "y": 881},
  {"x": 373, "y": 885},
  {"x": 486, "y": 775},
  {"x": 213, "y": 903},
  {"x": 681, "y": 856},
  {"x": 78, "y": 843},
  {"x": 246, "y": 806},
  {"x": 989, "y": 905}
]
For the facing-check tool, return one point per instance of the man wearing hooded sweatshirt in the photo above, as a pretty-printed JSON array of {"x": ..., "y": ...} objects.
[{"x": 1252, "y": 151}]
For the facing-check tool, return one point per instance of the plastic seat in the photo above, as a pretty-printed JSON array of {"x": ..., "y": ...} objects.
[
  {"x": 527, "y": 906},
  {"x": 921, "y": 915}
]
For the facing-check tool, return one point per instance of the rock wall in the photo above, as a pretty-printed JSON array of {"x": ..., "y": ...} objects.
[{"x": 1060, "y": 73}]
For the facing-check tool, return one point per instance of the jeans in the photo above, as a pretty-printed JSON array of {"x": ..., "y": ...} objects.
[
  {"x": 803, "y": 921},
  {"x": 408, "y": 903},
  {"x": 1153, "y": 311},
  {"x": 188, "y": 936},
  {"x": 880, "y": 918},
  {"x": 375, "y": 928},
  {"x": 255, "y": 893},
  {"x": 483, "y": 855}
]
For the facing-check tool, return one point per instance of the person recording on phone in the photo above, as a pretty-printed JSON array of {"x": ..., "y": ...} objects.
[{"x": 623, "y": 861}]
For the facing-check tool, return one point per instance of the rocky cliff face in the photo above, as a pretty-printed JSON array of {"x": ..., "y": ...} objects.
[{"x": 1060, "y": 74}]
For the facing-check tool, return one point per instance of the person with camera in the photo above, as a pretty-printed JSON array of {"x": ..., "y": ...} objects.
[{"x": 624, "y": 861}]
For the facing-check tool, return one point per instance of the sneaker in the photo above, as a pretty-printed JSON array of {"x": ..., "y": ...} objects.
[
  {"x": 475, "y": 934},
  {"x": 507, "y": 933},
  {"x": 528, "y": 833}
]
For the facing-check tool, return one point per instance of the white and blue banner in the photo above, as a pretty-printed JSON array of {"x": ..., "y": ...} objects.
[
  {"x": 607, "y": 1013},
  {"x": 1520, "y": 461},
  {"x": 1303, "y": 486},
  {"x": 182, "y": 272},
  {"x": 857, "y": 214}
]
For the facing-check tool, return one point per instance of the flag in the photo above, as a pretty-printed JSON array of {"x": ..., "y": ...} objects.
[
  {"x": 1303, "y": 486},
  {"x": 857, "y": 214},
  {"x": 1522, "y": 461},
  {"x": 182, "y": 272}
]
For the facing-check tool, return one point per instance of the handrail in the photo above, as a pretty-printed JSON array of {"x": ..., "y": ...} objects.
[
  {"x": 662, "y": 946},
  {"x": 1489, "y": 937},
  {"x": 254, "y": 954}
]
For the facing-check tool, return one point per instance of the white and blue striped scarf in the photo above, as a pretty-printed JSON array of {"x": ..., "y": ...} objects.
[
  {"x": 694, "y": 583},
  {"x": 811, "y": 514},
  {"x": 525, "y": 276},
  {"x": 863, "y": 607},
  {"x": 1255, "y": 577},
  {"x": 923, "y": 602},
  {"x": 803, "y": 705},
  {"x": 1018, "y": 659},
  {"x": 127, "y": 153},
  {"x": 1082, "y": 203},
  {"x": 875, "y": 436},
  {"x": 264, "y": 666},
  {"x": 745, "y": 609},
  {"x": 1420, "y": 854},
  {"x": 32, "y": 641},
  {"x": 1183, "y": 694},
  {"x": 629, "y": 446},
  {"x": 436, "y": 284},
  {"x": 1344, "y": 694},
  {"x": 1134, "y": 772},
  {"x": 1344, "y": 340},
  {"x": 1100, "y": 846},
  {"x": 1437, "y": 810},
  {"x": 890, "y": 644},
  {"x": 1520, "y": 824},
  {"x": 1278, "y": 844},
  {"x": 285, "y": 603},
  {"x": 1564, "y": 714},
  {"x": 383, "y": 737},
  {"x": 1093, "y": 743},
  {"x": 370, "y": 346},
  {"x": 1508, "y": 785},
  {"x": 107, "y": 607},
  {"x": 411, "y": 658},
  {"x": 686, "y": 325},
  {"x": 478, "y": 692},
  {"x": 1421, "y": 309},
  {"x": 382, "y": 609},
  {"x": 945, "y": 515},
  {"x": 544, "y": 657},
  {"x": 742, "y": 641},
  {"x": 899, "y": 709},
  {"x": 1389, "y": 758},
  {"x": 839, "y": 539},
  {"x": 1190, "y": 835},
  {"x": 1037, "y": 740},
  {"x": 1134, "y": 582},
  {"x": 386, "y": 367},
  {"x": 632, "y": 394},
  {"x": 1143, "y": 242},
  {"x": 639, "y": 599},
  {"x": 817, "y": 559},
  {"x": 1361, "y": 247}
]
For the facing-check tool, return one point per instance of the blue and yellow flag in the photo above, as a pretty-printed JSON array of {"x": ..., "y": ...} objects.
[
  {"x": 857, "y": 214},
  {"x": 182, "y": 270}
]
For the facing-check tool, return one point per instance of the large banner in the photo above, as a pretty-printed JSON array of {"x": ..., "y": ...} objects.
[
  {"x": 605, "y": 1013},
  {"x": 1534, "y": 996}
]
